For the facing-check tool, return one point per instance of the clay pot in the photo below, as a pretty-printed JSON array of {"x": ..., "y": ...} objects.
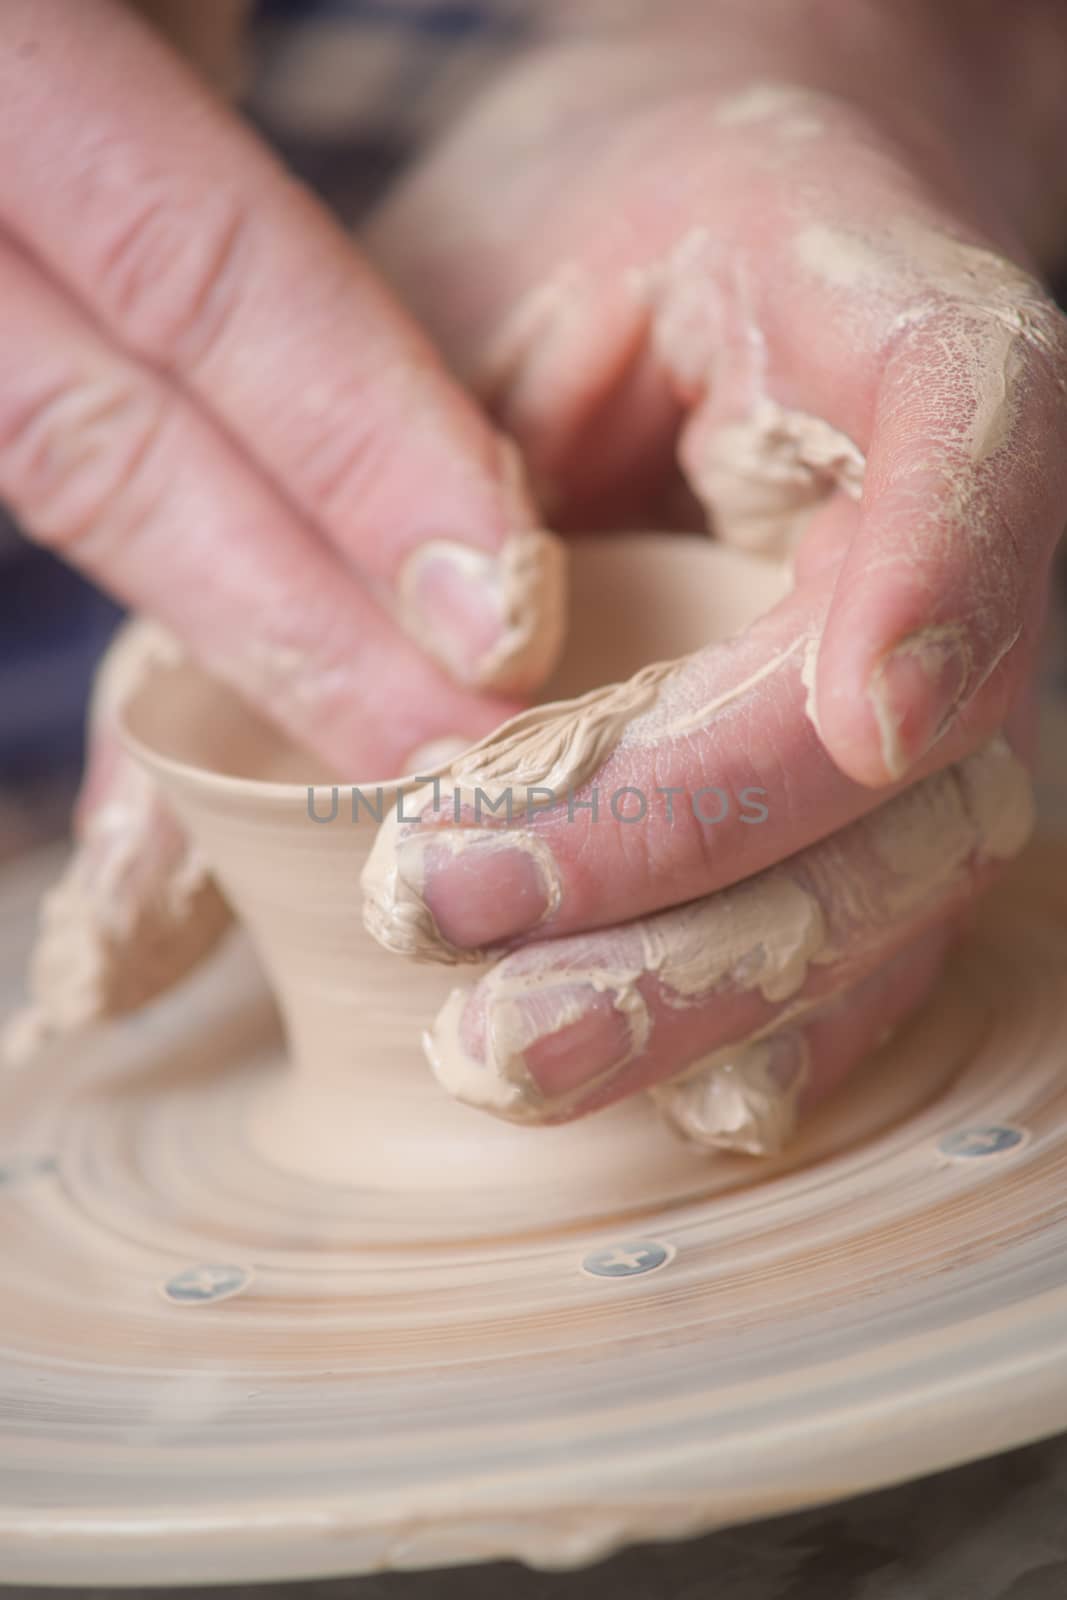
[{"x": 358, "y": 1103}]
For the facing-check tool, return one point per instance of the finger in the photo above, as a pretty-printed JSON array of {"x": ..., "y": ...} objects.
[
  {"x": 938, "y": 601},
  {"x": 684, "y": 780},
  {"x": 188, "y": 243},
  {"x": 825, "y": 541},
  {"x": 105, "y": 462},
  {"x": 749, "y": 1097},
  {"x": 566, "y": 1025},
  {"x": 810, "y": 306},
  {"x": 938, "y": 384}
]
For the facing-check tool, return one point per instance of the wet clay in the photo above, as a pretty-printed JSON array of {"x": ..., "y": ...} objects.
[
  {"x": 296, "y": 862},
  {"x": 281, "y": 1311},
  {"x": 218, "y": 766},
  {"x": 762, "y": 934},
  {"x": 253, "y": 1375},
  {"x": 289, "y": 859},
  {"x": 135, "y": 907}
]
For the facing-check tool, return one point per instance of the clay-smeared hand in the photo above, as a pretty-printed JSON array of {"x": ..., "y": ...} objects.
[
  {"x": 720, "y": 258},
  {"x": 212, "y": 406}
]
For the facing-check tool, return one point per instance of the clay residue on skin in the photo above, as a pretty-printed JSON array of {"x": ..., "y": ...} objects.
[
  {"x": 982, "y": 319},
  {"x": 526, "y": 577},
  {"x": 761, "y": 472},
  {"x": 395, "y": 912},
  {"x": 502, "y": 1087},
  {"x": 910, "y": 272},
  {"x": 734, "y": 1099},
  {"x": 986, "y": 315},
  {"x": 533, "y": 605},
  {"x": 910, "y": 248},
  {"x": 524, "y": 582},
  {"x": 793, "y": 113},
  {"x": 683, "y": 300},
  {"x": 809, "y": 668},
  {"x": 760, "y": 935},
  {"x": 651, "y": 729},
  {"x": 918, "y": 846},
  {"x": 763, "y": 934},
  {"x": 997, "y": 386},
  {"x": 762, "y": 475},
  {"x": 985, "y": 802},
  {"x": 558, "y": 747},
  {"x": 932, "y": 649},
  {"x": 497, "y": 1079}
]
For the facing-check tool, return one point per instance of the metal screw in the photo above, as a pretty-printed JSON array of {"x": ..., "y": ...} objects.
[
  {"x": 628, "y": 1259},
  {"x": 208, "y": 1281},
  {"x": 984, "y": 1139}
]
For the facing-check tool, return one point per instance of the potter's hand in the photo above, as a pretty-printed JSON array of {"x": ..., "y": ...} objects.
[
  {"x": 211, "y": 405},
  {"x": 730, "y": 228}
]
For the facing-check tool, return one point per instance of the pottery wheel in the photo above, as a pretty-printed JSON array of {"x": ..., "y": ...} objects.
[{"x": 213, "y": 1371}]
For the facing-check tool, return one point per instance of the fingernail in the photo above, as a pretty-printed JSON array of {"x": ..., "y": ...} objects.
[
  {"x": 740, "y": 1098},
  {"x": 572, "y": 1039},
  {"x": 493, "y": 619},
  {"x": 479, "y": 888},
  {"x": 916, "y": 692},
  {"x": 483, "y": 891},
  {"x": 532, "y": 1049}
]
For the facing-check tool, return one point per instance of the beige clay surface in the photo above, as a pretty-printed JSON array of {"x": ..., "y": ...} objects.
[{"x": 288, "y": 1309}]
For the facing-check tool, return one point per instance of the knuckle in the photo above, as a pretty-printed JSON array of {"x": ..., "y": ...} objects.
[
  {"x": 683, "y": 848},
  {"x": 345, "y": 466},
  {"x": 348, "y": 451},
  {"x": 70, "y": 453},
  {"x": 169, "y": 270}
]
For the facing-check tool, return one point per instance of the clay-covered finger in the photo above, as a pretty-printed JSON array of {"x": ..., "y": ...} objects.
[
  {"x": 566, "y": 1025},
  {"x": 689, "y": 777},
  {"x": 193, "y": 248},
  {"x": 111, "y": 466},
  {"x": 939, "y": 598},
  {"x": 920, "y": 442},
  {"x": 831, "y": 315},
  {"x": 749, "y": 1097}
]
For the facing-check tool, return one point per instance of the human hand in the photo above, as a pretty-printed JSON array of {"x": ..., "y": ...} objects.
[
  {"x": 724, "y": 235},
  {"x": 211, "y": 405}
]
